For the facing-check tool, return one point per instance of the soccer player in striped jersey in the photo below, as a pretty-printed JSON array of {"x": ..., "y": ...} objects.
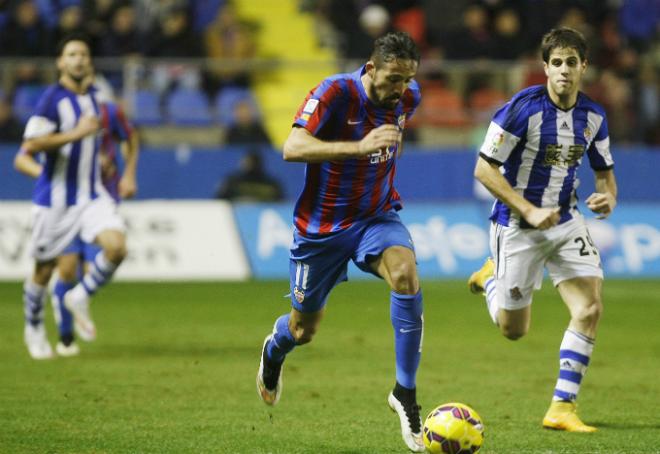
[
  {"x": 69, "y": 197},
  {"x": 348, "y": 131},
  {"x": 540, "y": 138},
  {"x": 118, "y": 174}
]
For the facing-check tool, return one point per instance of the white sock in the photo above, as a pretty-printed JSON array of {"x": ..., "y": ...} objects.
[{"x": 491, "y": 299}]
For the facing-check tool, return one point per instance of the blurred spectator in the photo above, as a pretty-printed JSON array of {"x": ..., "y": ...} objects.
[
  {"x": 122, "y": 37},
  {"x": 483, "y": 98},
  {"x": 251, "y": 183},
  {"x": 246, "y": 128},
  {"x": 10, "y": 129},
  {"x": 640, "y": 22},
  {"x": 230, "y": 41},
  {"x": 510, "y": 41},
  {"x": 25, "y": 34},
  {"x": 472, "y": 39},
  {"x": 69, "y": 21},
  {"x": 97, "y": 15}
]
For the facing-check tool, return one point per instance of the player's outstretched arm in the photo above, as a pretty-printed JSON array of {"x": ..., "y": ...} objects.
[
  {"x": 26, "y": 164},
  {"x": 489, "y": 175},
  {"x": 86, "y": 125},
  {"x": 128, "y": 181},
  {"x": 603, "y": 200},
  {"x": 302, "y": 146}
]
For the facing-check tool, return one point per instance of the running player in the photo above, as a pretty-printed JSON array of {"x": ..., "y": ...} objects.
[
  {"x": 69, "y": 198},
  {"x": 348, "y": 131},
  {"x": 540, "y": 137}
]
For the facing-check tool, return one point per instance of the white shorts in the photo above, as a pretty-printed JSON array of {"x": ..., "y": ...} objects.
[
  {"x": 53, "y": 229},
  {"x": 520, "y": 256}
]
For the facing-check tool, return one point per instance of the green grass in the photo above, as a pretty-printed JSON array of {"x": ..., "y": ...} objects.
[{"x": 174, "y": 366}]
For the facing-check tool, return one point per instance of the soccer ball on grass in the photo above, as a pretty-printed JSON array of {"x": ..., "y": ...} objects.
[{"x": 453, "y": 428}]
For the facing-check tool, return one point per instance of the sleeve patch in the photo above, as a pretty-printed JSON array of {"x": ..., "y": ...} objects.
[{"x": 311, "y": 105}]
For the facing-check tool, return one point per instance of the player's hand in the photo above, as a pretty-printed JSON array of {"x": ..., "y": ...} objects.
[
  {"x": 88, "y": 124},
  {"x": 381, "y": 137},
  {"x": 543, "y": 218},
  {"x": 601, "y": 203},
  {"x": 127, "y": 187}
]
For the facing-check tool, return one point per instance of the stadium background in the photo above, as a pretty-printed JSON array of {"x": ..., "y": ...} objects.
[{"x": 207, "y": 82}]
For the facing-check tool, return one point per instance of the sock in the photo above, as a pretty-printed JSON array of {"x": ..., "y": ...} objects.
[
  {"x": 408, "y": 324},
  {"x": 33, "y": 302},
  {"x": 63, "y": 316},
  {"x": 282, "y": 341},
  {"x": 491, "y": 299},
  {"x": 99, "y": 273},
  {"x": 574, "y": 354}
]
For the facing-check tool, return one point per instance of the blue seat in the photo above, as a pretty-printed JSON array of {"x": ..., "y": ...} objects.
[
  {"x": 188, "y": 107},
  {"x": 146, "y": 109},
  {"x": 25, "y": 101},
  {"x": 227, "y": 99}
]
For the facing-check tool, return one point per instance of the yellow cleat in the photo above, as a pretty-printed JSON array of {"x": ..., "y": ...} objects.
[
  {"x": 563, "y": 416},
  {"x": 477, "y": 281}
]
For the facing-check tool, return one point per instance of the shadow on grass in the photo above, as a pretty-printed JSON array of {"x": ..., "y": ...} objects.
[
  {"x": 625, "y": 425},
  {"x": 172, "y": 350}
]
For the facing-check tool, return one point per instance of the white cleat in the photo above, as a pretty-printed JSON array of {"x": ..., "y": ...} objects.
[
  {"x": 411, "y": 423},
  {"x": 37, "y": 342},
  {"x": 82, "y": 319},
  {"x": 269, "y": 396},
  {"x": 67, "y": 350}
]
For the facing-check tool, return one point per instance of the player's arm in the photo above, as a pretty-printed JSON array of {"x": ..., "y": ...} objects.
[
  {"x": 86, "y": 125},
  {"x": 603, "y": 200},
  {"x": 130, "y": 150},
  {"x": 488, "y": 173},
  {"x": 26, "y": 164},
  {"x": 302, "y": 146}
]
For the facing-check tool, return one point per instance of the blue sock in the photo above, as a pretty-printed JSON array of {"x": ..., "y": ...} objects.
[
  {"x": 408, "y": 323},
  {"x": 65, "y": 319},
  {"x": 282, "y": 341}
]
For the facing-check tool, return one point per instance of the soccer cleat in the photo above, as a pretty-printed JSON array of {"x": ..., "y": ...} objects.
[
  {"x": 563, "y": 416},
  {"x": 269, "y": 379},
  {"x": 67, "y": 350},
  {"x": 478, "y": 279},
  {"x": 37, "y": 342},
  {"x": 411, "y": 423},
  {"x": 82, "y": 319}
]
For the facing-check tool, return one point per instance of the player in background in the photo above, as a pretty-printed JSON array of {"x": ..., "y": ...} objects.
[
  {"x": 540, "y": 137},
  {"x": 348, "y": 131},
  {"x": 69, "y": 199},
  {"x": 118, "y": 174}
]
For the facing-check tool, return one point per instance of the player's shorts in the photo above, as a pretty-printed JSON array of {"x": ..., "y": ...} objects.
[
  {"x": 53, "y": 229},
  {"x": 316, "y": 265},
  {"x": 520, "y": 255}
]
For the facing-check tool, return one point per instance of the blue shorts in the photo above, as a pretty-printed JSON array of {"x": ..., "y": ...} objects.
[
  {"x": 86, "y": 250},
  {"x": 316, "y": 265}
]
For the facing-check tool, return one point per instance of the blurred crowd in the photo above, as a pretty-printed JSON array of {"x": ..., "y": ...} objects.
[{"x": 476, "y": 53}]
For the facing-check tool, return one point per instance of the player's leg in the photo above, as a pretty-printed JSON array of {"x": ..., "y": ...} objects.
[
  {"x": 388, "y": 250},
  {"x": 34, "y": 295},
  {"x": 67, "y": 274},
  {"x": 315, "y": 268},
  {"x": 576, "y": 272}
]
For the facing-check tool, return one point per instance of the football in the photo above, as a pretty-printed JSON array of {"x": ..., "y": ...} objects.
[{"x": 453, "y": 428}]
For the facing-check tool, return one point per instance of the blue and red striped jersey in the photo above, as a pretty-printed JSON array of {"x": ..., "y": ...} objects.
[
  {"x": 115, "y": 129},
  {"x": 338, "y": 193}
]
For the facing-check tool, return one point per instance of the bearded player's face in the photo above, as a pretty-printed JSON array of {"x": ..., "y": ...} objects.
[{"x": 389, "y": 81}]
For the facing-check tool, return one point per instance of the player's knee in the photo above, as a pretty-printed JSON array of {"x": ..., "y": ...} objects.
[
  {"x": 404, "y": 279},
  {"x": 589, "y": 314},
  {"x": 303, "y": 335},
  {"x": 512, "y": 332},
  {"x": 115, "y": 251}
]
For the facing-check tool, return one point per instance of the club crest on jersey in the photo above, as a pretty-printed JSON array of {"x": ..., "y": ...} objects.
[
  {"x": 587, "y": 134},
  {"x": 515, "y": 293},
  {"x": 299, "y": 294},
  {"x": 402, "y": 121}
]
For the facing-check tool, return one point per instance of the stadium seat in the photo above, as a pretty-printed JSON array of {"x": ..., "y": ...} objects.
[
  {"x": 227, "y": 99},
  {"x": 25, "y": 101},
  {"x": 146, "y": 109},
  {"x": 188, "y": 107}
]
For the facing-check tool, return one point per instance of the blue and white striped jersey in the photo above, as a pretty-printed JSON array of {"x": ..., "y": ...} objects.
[
  {"x": 541, "y": 146},
  {"x": 70, "y": 174}
]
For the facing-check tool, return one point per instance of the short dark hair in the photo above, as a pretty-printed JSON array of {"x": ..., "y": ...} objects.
[
  {"x": 394, "y": 46},
  {"x": 563, "y": 37},
  {"x": 73, "y": 36}
]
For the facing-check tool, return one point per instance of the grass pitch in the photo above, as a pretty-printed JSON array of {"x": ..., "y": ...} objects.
[{"x": 174, "y": 366}]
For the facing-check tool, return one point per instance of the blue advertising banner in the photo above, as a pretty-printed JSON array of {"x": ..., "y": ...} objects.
[{"x": 451, "y": 240}]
